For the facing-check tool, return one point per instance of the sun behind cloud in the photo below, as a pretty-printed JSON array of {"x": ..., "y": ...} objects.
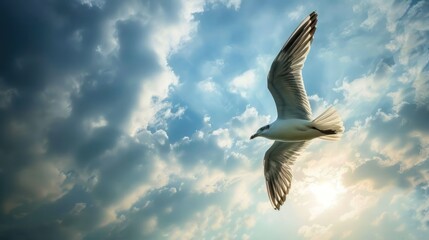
[{"x": 325, "y": 194}]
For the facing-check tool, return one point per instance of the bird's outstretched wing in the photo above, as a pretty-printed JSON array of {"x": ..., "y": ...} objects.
[
  {"x": 285, "y": 78},
  {"x": 278, "y": 177}
]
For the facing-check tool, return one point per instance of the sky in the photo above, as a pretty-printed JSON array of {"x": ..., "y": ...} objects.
[{"x": 130, "y": 119}]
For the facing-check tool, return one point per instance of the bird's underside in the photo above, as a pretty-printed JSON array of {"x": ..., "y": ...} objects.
[{"x": 287, "y": 88}]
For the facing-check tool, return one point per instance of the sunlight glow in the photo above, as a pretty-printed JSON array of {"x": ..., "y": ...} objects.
[{"x": 325, "y": 195}]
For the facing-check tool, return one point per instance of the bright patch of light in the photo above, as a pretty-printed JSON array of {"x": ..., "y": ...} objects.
[{"x": 325, "y": 195}]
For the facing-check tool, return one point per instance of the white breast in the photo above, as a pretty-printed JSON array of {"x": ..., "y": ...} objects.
[{"x": 291, "y": 130}]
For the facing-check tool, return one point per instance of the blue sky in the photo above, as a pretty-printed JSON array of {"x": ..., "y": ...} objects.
[{"x": 131, "y": 120}]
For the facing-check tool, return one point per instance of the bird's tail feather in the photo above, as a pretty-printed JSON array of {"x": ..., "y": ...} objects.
[{"x": 329, "y": 123}]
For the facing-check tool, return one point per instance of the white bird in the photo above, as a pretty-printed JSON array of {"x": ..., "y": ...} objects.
[{"x": 293, "y": 127}]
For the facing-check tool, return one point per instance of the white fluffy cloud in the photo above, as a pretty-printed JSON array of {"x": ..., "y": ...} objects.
[{"x": 243, "y": 83}]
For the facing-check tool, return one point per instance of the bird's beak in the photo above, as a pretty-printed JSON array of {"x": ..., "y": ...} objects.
[{"x": 253, "y": 136}]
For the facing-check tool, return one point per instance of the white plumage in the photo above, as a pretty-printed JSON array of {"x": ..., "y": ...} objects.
[{"x": 293, "y": 128}]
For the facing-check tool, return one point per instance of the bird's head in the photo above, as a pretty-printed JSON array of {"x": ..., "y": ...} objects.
[{"x": 261, "y": 131}]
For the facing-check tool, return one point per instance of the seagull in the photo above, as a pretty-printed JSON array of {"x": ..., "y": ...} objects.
[{"x": 293, "y": 128}]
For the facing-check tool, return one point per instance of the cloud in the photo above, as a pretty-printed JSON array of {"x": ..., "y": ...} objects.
[
  {"x": 78, "y": 208},
  {"x": 235, "y": 4},
  {"x": 297, "y": 13},
  {"x": 40, "y": 181},
  {"x": 245, "y": 124},
  {"x": 131, "y": 119},
  {"x": 207, "y": 86},
  {"x": 149, "y": 225},
  {"x": 315, "y": 232},
  {"x": 366, "y": 90},
  {"x": 243, "y": 83},
  {"x": 87, "y": 105}
]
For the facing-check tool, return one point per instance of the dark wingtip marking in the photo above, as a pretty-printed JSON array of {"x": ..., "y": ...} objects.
[{"x": 327, "y": 132}]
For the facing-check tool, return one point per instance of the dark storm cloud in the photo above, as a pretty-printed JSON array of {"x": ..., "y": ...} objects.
[
  {"x": 38, "y": 52},
  {"x": 56, "y": 220},
  {"x": 110, "y": 91},
  {"x": 157, "y": 204},
  {"x": 190, "y": 151},
  {"x": 175, "y": 206},
  {"x": 60, "y": 73}
]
